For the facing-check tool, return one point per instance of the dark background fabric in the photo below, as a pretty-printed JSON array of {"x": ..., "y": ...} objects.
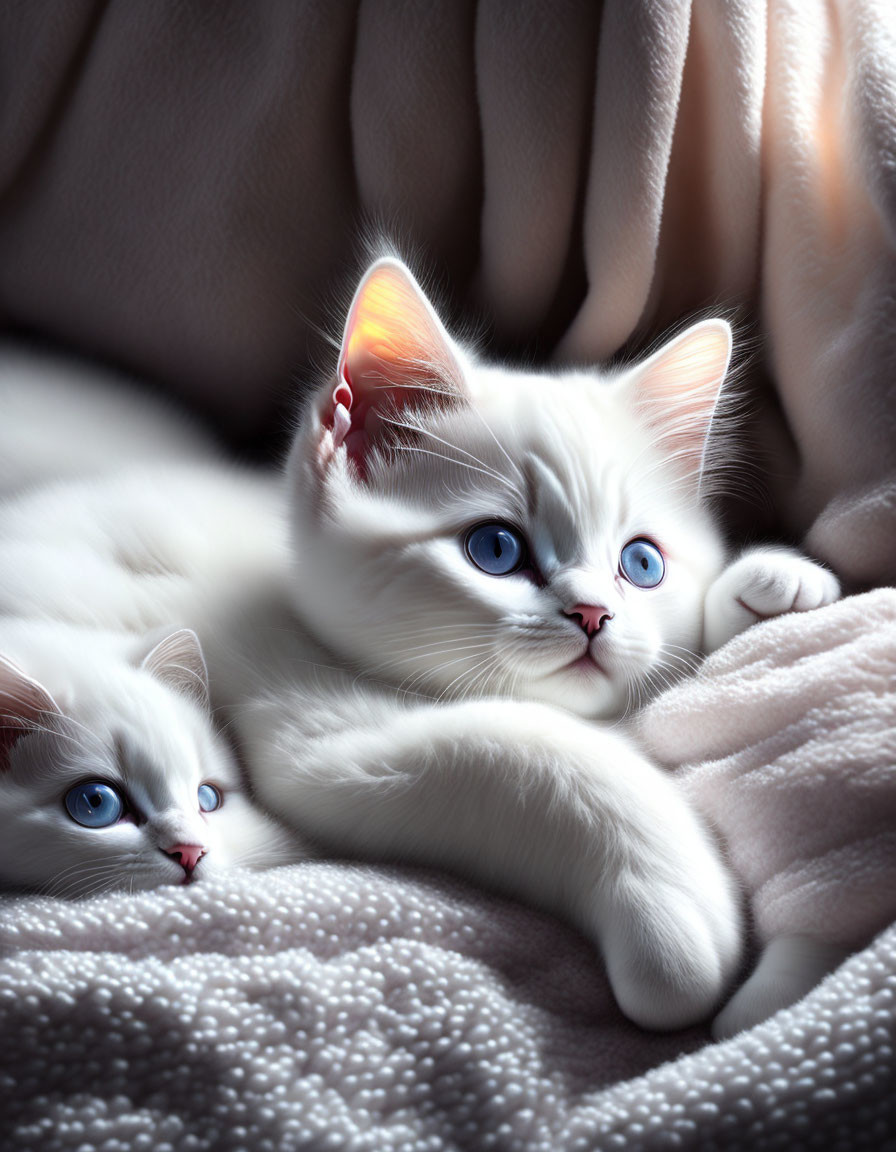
[{"x": 183, "y": 188}]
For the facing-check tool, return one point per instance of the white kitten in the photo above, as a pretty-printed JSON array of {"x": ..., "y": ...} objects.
[
  {"x": 111, "y": 774},
  {"x": 476, "y": 537},
  {"x": 484, "y": 561},
  {"x": 764, "y": 582}
]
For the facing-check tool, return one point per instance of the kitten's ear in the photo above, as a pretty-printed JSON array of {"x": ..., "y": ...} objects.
[
  {"x": 678, "y": 388},
  {"x": 178, "y": 662},
  {"x": 24, "y": 705},
  {"x": 395, "y": 353}
]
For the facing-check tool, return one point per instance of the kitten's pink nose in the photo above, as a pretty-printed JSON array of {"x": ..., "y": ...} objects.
[
  {"x": 590, "y": 616},
  {"x": 187, "y": 855}
]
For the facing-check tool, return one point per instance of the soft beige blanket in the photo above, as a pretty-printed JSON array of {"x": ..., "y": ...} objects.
[
  {"x": 179, "y": 191},
  {"x": 786, "y": 740},
  {"x": 180, "y": 187}
]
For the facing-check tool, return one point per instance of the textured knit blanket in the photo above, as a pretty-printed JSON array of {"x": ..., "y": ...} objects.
[{"x": 334, "y": 1007}]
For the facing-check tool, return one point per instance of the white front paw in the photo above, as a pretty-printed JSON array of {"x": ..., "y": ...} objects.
[
  {"x": 672, "y": 947},
  {"x": 764, "y": 582}
]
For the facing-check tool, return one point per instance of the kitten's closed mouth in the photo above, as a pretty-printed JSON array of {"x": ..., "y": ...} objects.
[{"x": 585, "y": 663}]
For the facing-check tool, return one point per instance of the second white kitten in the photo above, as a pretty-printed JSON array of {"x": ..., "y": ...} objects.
[{"x": 111, "y": 773}]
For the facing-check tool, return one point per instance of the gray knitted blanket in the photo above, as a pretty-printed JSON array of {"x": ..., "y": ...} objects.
[{"x": 326, "y": 1006}]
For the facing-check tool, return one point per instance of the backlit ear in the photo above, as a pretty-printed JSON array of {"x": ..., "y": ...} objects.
[
  {"x": 25, "y": 706},
  {"x": 395, "y": 354},
  {"x": 178, "y": 662},
  {"x": 678, "y": 388}
]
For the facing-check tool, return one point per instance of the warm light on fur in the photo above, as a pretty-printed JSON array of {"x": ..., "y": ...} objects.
[
  {"x": 391, "y": 325},
  {"x": 580, "y": 462}
]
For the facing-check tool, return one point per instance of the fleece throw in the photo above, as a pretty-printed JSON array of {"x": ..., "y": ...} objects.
[{"x": 786, "y": 740}]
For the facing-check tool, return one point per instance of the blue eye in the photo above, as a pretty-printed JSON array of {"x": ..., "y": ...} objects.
[
  {"x": 642, "y": 563},
  {"x": 209, "y": 798},
  {"x": 497, "y": 549},
  {"x": 94, "y": 804}
]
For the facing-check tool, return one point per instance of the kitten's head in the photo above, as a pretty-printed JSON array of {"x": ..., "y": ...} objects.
[
  {"x": 118, "y": 779},
  {"x": 469, "y": 529}
]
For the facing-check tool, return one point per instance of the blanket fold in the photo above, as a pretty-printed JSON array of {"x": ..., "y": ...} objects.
[{"x": 786, "y": 740}]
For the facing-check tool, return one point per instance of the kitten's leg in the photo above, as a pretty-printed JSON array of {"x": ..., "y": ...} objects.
[
  {"x": 764, "y": 582},
  {"x": 527, "y": 799},
  {"x": 789, "y": 968}
]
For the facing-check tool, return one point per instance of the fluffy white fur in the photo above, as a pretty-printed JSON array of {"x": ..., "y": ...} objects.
[
  {"x": 66, "y": 419},
  {"x": 448, "y": 764},
  {"x": 80, "y": 705},
  {"x": 140, "y": 548},
  {"x": 393, "y": 701}
]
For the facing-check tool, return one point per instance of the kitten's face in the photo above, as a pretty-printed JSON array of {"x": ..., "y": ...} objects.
[
  {"x": 467, "y": 530},
  {"x": 125, "y": 786}
]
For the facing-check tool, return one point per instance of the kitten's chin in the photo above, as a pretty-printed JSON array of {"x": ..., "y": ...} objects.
[{"x": 583, "y": 688}]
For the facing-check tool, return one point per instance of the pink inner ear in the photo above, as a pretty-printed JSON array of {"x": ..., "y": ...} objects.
[
  {"x": 342, "y": 420},
  {"x": 24, "y": 706},
  {"x": 342, "y": 397},
  {"x": 348, "y": 422},
  {"x": 354, "y": 419},
  {"x": 395, "y": 353}
]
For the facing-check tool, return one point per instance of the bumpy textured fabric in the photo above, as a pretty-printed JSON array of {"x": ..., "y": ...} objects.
[
  {"x": 338, "y": 1007},
  {"x": 388, "y": 1011}
]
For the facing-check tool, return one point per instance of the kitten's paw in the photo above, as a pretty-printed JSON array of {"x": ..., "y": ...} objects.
[
  {"x": 672, "y": 951},
  {"x": 788, "y": 969},
  {"x": 765, "y": 582}
]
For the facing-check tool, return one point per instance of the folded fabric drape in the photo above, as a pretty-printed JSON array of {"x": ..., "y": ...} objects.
[{"x": 180, "y": 192}]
